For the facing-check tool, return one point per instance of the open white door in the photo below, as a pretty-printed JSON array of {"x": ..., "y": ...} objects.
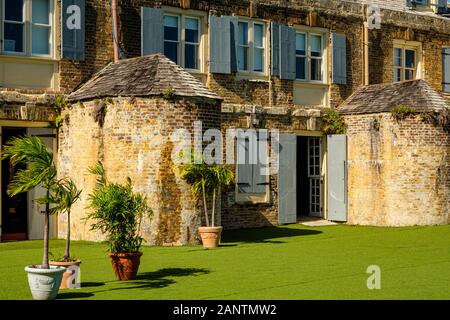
[
  {"x": 337, "y": 177},
  {"x": 36, "y": 212},
  {"x": 287, "y": 179}
]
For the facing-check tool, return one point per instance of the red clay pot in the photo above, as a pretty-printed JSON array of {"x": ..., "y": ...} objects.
[
  {"x": 125, "y": 265},
  {"x": 210, "y": 236},
  {"x": 68, "y": 273}
]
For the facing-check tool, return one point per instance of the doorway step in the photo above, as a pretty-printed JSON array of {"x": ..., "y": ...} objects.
[{"x": 315, "y": 222}]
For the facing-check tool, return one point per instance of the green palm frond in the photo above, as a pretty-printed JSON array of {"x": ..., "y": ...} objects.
[
  {"x": 99, "y": 171},
  {"x": 64, "y": 195}
]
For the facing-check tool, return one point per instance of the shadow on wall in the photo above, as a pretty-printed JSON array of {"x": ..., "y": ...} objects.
[{"x": 265, "y": 235}]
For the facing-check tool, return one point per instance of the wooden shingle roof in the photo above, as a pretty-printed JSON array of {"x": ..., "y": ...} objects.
[
  {"x": 416, "y": 94},
  {"x": 140, "y": 77}
]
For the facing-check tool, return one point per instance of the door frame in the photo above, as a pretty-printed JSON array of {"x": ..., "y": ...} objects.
[{"x": 27, "y": 124}]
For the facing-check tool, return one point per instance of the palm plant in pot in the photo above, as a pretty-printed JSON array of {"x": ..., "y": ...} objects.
[
  {"x": 64, "y": 195},
  {"x": 117, "y": 212},
  {"x": 206, "y": 182},
  {"x": 44, "y": 280}
]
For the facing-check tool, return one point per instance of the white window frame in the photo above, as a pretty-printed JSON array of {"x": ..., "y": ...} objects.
[
  {"x": 50, "y": 26},
  {"x": 251, "y": 47},
  {"x": 308, "y": 32},
  {"x": 185, "y": 42},
  {"x": 407, "y": 45},
  {"x": 178, "y": 42}
]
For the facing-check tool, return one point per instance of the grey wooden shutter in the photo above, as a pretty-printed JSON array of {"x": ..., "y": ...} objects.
[
  {"x": 244, "y": 167},
  {"x": 337, "y": 177},
  {"x": 287, "y": 179},
  {"x": 73, "y": 29},
  {"x": 260, "y": 169},
  {"x": 339, "y": 58},
  {"x": 275, "y": 33},
  {"x": 287, "y": 55},
  {"x": 220, "y": 45},
  {"x": 446, "y": 69},
  {"x": 152, "y": 31}
]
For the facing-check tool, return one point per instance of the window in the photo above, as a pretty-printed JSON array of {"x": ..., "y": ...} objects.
[
  {"x": 405, "y": 64},
  {"x": 251, "y": 46},
  {"x": 18, "y": 38},
  {"x": 309, "y": 56},
  {"x": 182, "y": 32}
]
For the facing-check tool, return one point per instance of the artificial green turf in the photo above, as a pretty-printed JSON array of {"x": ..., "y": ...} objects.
[{"x": 291, "y": 262}]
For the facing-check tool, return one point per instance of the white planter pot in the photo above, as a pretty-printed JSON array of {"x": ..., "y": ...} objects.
[{"x": 44, "y": 283}]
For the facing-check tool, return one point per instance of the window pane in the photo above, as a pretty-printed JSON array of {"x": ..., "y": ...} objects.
[
  {"x": 398, "y": 74},
  {"x": 171, "y": 51},
  {"x": 243, "y": 33},
  {"x": 316, "y": 69},
  {"x": 410, "y": 57},
  {"x": 258, "y": 60},
  {"x": 14, "y": 37},
  {"x": 300, "y": 44},
  {"x": 259, "y": 35},
  {"x": 14, "y": 10},
  {"x": 301, "y": 68},
  {"x": 398, "y": 57},
  {"x": 316, "y": 46},
  {"x": 41, "y": 11},
  {"x": 243, "y": 58},
  {"x": 191, "y": 56},
  {"x": 40, "y": 40},
  {"x": 191, "y": 30},
  {"x": 171, "y": 28},
  {"x": 409, "y": 74}
]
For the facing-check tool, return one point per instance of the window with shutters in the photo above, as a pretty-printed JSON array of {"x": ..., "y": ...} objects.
[
  {"x": 446, "y": 70},
  {"x": 27, "y": 27},
  {"x": 251, "y": 46},
  {"x": 406, "y": 62},
  {"x": 309, "y": 48}
]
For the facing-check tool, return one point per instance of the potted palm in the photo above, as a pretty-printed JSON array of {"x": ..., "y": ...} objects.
[
  {"x": 44, "y": 280},
  {"x": 64, "y": 195},
  {"x": 206, "y": 182},
  {"x": 118, "y": 212}
]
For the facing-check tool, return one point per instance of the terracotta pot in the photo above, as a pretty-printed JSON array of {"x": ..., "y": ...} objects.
[
  {"x": 210, "y": 236},
  {"x": 67, "y": 276},
  {"x": 125, "y": 265}
]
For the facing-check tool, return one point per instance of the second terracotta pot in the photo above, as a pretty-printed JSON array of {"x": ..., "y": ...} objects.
[
  {"x": 68, "y": 274},
  {"x": 125, "y": 265},
  {"x": 210, "y": 236}
]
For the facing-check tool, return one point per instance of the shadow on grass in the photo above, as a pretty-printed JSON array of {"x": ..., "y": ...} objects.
[
  {"x": 73, "y": 295},
  {"x": 92, "y": 284},
  {"x": 264, "y": 235}
]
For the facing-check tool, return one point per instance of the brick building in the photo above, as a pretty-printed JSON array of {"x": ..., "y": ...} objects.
[{"x": 275, "y": 65}]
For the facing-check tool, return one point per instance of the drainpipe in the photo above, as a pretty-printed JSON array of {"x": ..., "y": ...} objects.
[
  {"x": 365, "y": 51},
  {"x": 114, "y": 31}
]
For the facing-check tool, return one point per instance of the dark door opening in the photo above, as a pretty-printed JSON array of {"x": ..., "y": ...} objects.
[
  {"x": 15, "y": 209},
  {"x": 302, "y": 177}
]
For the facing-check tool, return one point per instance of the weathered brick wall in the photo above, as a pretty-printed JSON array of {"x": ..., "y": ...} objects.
[
  {"x": 398, "y": 175},
  {"x": 135, "y": 142}
]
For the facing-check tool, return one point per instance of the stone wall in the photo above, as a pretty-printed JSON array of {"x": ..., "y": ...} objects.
[
  {"x": 398, "y": 175},
  {"x": 134, "y": 142}
]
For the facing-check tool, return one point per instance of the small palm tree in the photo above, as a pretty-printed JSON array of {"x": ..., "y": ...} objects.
[
  {"x": 40, "y": 171},
  {"x": 206, "y": 181}
]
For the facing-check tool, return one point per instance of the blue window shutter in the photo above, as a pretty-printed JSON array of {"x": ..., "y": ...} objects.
[
  {"x": 220, "y": 45},
  {"x": 73, "y": 29},
  {"x": 337, "y": 177},
  {"x": 339, "y": 58},
  {"x": 287, "y": 179},
  {"x": 152, "y": 31},
  {"x": 245, "y": 168},
  {"x": 446, "y": 69},
  {"x": 287, "y": 47},
  {"x": 260, "y": 169},
  {"x": 275, "y": 32}
]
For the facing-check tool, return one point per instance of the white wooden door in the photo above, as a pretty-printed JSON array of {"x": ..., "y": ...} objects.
[
  {"x": 287, "y": 179},
  {"x": 337, "y": 177}
]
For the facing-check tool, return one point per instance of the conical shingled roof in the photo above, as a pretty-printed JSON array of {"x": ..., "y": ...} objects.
[
  {"x": 140, "y": 77},
  {"x": 416, "y": 94}
]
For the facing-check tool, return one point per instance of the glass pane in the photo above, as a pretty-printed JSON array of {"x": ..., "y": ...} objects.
[
  {"x": 316, "y": 69},
  {"x": 171, "y": 28},
  {"x": 259, "y": 35},
  {"x": 243, "y": 33},
  {"x": 258, "y": 60},
  {"x": 316, "y": 46},
  {"x": 191, "y": 30},
  {"x": 14, "y": 37},
  {"x": 398, "y": 74},
  {"x": 191, "y": 56},
  {"x": 409, "y": 74},
  {"x": 301, "y": 68},
  {"x": 300, "y": 44},
  {"x": 40, "y": 40},
  {"x": 14, "y": 10},
  {"x": 41, "y": 11},
  {"x": 410, "y": 58},
  {"x": 243, "y": 58},
  {"x": 398, "y": 57},
  {"x": 171, "y": 51}
]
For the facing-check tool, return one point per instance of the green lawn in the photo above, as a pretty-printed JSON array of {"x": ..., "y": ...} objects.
[{"x": 292, "y": 262}]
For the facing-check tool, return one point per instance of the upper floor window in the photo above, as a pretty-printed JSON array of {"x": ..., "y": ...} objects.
[
  {"x": 182, "y": 40},
  {"x": 18, "y": 38},
  {"x": 405, "y": 63},
  {"x": 309, "y": 56},
  {"x": 251, "y": 46}
]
